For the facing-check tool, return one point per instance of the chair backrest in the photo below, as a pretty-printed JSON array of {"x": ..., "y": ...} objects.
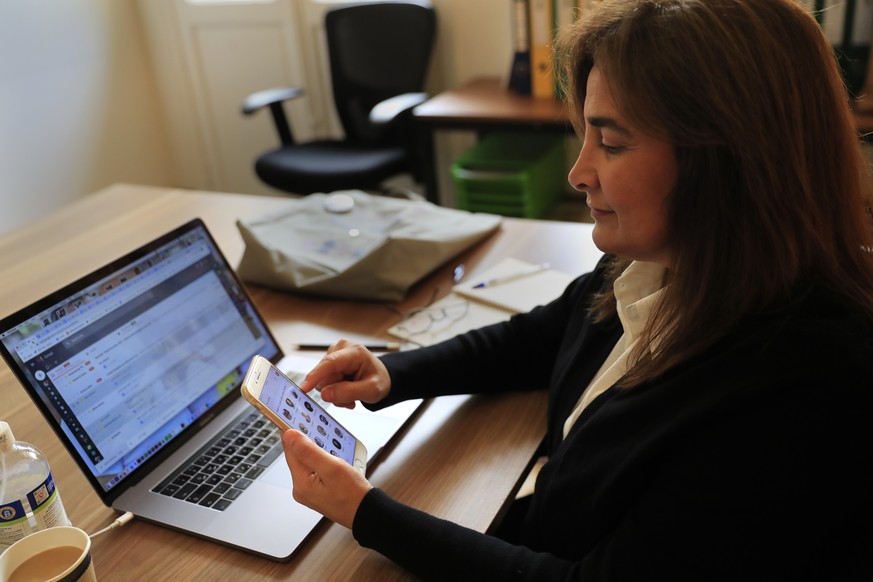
[{"x": 377, "y": 51}]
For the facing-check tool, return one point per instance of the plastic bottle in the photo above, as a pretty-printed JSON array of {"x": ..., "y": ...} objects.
[{"x": 29, "y": 500}]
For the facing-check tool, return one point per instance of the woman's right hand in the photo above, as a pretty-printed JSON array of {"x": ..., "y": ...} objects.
[{"x": 349, "y": 372}]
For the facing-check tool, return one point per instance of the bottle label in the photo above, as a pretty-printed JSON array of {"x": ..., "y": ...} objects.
[
  {"x": 12, "y": 512},
  {"x": 13, "y": 523},
  {"x": 46, "y": 510},
  {"x": 45, "y": 501}
]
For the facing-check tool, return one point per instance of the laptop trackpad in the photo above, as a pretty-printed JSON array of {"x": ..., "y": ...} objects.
[{"x": 278, "y": 474}]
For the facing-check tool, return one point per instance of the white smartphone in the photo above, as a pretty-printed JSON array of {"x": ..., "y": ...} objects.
[{"x": 284, "y": 403}]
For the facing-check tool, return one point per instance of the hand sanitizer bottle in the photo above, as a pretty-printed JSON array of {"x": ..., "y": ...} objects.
[{"x": 29, "y": 500}]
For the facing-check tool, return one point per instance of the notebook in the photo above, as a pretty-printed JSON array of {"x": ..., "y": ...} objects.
[
  {"x": 137, "y": 368},
  {"x": 516, "y": 286}
]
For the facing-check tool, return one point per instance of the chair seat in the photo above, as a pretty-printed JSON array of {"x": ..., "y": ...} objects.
[
  {"x": 303, "y": 168},
  {"x": 378, "y": 53}
]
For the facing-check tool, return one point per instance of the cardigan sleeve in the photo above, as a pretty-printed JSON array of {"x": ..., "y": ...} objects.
[
  {"x": 436, "y": 549},
  {"x": 518, "y": 354}
]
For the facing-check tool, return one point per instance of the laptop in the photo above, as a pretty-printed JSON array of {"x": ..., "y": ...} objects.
[{"x": 137, "y": 368}]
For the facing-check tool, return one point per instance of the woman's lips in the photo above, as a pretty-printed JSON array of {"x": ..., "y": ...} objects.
[{"x": 599, "y": 212}]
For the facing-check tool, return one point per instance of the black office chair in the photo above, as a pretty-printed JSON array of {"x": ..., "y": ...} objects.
[{"x": 378, "y": 53}]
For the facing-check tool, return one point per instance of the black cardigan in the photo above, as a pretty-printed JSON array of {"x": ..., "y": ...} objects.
[{"x": 753, "y": 460}]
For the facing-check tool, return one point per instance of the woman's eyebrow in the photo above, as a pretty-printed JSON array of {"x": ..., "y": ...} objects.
[{"x": 609, "y": 123}]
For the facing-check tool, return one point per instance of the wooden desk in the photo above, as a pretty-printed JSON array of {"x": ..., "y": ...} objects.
[
  {"x": 442, "y": 463},
  {"x": 482, "y": 105}
]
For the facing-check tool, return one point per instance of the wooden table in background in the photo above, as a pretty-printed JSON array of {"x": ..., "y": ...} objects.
[
  {"x": 481, "y": 105},
  {"x": 442, "y": 463}
]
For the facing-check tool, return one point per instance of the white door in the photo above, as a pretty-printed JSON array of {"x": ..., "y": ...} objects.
[{"x": 208, "y": 56}]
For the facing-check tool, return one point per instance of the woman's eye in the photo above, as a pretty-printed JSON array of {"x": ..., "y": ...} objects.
[{"x": 610, "y": 150}]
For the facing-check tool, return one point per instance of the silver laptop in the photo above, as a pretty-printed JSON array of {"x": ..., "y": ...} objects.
[{"x": 137, "y": 368}]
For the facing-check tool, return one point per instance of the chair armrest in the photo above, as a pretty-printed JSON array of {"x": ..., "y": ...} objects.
[
  {"x": 274, "y": 99},
  {"x": 266, "y": 97},
  {"x": 387, "y": 111}
]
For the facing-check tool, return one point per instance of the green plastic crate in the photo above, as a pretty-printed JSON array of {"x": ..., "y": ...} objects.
[{"x": 522, "y": 175}]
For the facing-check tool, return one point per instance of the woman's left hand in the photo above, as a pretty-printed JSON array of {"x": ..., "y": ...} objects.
[{"x": 323, "y": 482}]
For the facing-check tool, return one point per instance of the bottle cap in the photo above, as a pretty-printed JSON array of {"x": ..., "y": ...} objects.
[{"x": 7, "y": 439}]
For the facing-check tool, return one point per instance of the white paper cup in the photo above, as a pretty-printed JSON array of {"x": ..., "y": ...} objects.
[{"x": 79, "y": 568}]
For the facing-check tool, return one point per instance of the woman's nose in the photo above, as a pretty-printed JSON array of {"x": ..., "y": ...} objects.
[{"x": 582, "y": 175}]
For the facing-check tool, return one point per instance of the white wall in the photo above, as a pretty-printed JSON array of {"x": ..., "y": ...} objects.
[
  {"x": 80, "y": 107},
  {"x": 474, "y": 39}
]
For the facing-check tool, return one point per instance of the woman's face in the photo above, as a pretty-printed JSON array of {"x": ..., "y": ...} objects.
[{"x": 627, "y": 176}]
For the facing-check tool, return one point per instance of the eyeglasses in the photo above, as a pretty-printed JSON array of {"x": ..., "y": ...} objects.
[{"x": 432, "y": 318}]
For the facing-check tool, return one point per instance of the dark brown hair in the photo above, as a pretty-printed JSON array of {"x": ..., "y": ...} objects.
[{"x": 772, "y": 195}]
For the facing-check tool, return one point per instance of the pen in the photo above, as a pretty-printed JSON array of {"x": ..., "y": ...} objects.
[
  {"x": 512, "y": 277},
  {"x": 389, "y": 347}
]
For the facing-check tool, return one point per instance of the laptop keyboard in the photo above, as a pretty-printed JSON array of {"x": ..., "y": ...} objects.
[{"x": 224, "y": 468}]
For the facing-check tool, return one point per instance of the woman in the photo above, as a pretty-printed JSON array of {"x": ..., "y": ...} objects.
[{"x": 711, "y": 381}]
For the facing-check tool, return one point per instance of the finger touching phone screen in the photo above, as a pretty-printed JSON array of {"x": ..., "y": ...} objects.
[{"x": 282, "y": 401}]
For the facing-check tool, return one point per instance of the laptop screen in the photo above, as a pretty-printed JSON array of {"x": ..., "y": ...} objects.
[{"x": 126, "y": 359}]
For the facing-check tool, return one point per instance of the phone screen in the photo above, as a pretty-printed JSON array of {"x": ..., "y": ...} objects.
[{"x": 293, "y": 406}]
